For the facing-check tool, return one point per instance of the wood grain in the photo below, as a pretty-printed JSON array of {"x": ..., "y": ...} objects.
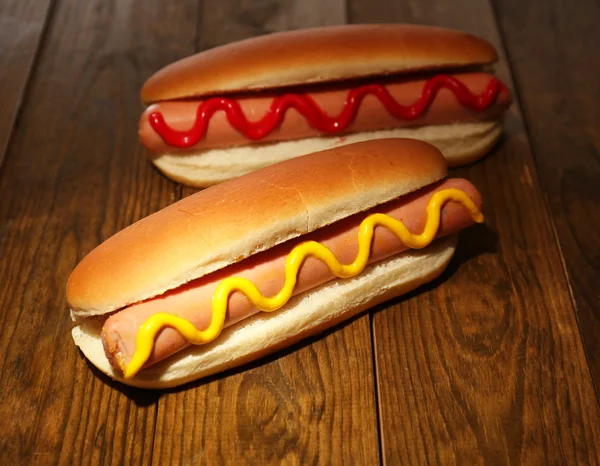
[
  {"x": 22, "y": 25},
  {"x": 552, "y": 50},
  {"x": 74, "y": 175},
  {"x": 488, "y": 367},
  {"x": 300, "y": 406}
]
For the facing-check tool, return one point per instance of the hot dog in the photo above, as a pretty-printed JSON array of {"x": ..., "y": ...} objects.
[
  {"x": 176, "y": 261},
  {"x": 236, "y": 108}
]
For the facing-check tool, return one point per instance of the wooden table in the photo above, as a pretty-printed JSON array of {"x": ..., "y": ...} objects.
[{"x": 497, "y": 362}]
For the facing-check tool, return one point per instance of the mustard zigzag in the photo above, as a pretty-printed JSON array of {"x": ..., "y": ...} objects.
[{"x": 149, "y": 329}]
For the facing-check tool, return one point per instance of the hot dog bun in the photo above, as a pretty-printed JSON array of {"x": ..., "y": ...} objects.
[
  {"x": 316, "y": 55},
  {"x": 223, "y": 225},
  {"x": 201, "y": 233},
  {"x": 308, "y": 62},
  {"x": 460, "y": 143}
]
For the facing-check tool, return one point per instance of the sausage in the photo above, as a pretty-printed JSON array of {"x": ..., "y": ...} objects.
[
  {"x": 266, "y": 270},
  {"x": 371, "y": 115}
]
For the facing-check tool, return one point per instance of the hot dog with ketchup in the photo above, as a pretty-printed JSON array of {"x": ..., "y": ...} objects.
[
  {"x": 239, "y": 107},
  {"x": 314, "y": 240}
]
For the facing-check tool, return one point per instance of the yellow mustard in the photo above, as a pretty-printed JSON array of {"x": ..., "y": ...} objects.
[{"x": 149, "y": 329}]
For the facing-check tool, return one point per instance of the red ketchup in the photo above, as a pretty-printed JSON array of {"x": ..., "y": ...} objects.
[{"x": 318, "y": 119}]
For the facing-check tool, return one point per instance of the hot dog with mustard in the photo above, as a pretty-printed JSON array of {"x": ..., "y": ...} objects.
[{"x": 311, "y": 241}]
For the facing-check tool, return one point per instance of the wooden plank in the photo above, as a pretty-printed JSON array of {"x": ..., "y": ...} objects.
[
  {"x": 303, "y": 405},
  {"x": 22, "y": 25},
  {"x": 558, "y": 83},
  {"x": 74, "y": 175},
  {"x": 299, "y": 407},
  {"x": 487, "y": 367}
]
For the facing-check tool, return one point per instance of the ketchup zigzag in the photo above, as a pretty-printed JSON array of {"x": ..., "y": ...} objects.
[{"x": 315, "y": 116}]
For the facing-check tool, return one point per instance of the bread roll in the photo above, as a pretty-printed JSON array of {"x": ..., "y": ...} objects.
[{"x": 316, "y": 55}]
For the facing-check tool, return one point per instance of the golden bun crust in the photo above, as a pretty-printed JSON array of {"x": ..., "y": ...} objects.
[
  {"x": 461, "y": 143},
  {"x": 316, "y": 55},
  {"x": 236, "y": 219},
  {"x": 304, "y": 315}
]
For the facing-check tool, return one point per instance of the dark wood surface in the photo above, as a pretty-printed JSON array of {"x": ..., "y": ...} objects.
[
  {"x": 22, "y": 25},
  {"x": 486, "y": 365},
  {"x": 560, "y": 95}
]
